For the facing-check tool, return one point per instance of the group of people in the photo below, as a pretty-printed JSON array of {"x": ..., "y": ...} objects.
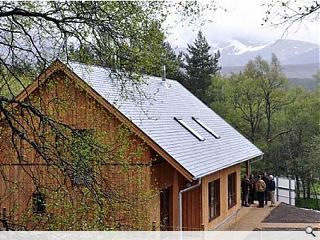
[{"x": 261, "y": 188}]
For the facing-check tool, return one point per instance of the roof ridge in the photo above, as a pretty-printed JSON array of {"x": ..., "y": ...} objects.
[{"x": 150, "y": 77}]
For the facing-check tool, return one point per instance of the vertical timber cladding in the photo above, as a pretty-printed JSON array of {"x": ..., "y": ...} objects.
[
  {"x": 162, "y": 179},
  {"x": 224, "y": 211},
  {"x": 191, "y": 205},
  {"x": 79, "y": 110}
]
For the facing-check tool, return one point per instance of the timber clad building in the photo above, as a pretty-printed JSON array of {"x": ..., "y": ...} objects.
[{"x": 198, "y": 155}]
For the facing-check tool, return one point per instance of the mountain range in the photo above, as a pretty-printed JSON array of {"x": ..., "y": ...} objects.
[
  {"x": 300, "y": 59},
  {"x": 290, "y": 52}
]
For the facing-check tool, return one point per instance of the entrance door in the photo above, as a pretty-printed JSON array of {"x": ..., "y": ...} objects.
[{"x": 166, "y": 209}]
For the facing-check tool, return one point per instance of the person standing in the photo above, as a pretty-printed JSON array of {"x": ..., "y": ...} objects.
[
  {"x": 265, "y": 178},
  {"x": 272, "y": 188},
  {"x": 252, "y": 189},
  {"x": 245, "y": 185},
  {"x": 260, "y": 188}
]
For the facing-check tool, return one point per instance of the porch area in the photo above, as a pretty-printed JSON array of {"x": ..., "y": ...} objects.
[{"x": 281, "y": 217}]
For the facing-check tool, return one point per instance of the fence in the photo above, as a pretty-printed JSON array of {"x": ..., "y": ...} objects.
[
  {"x": 285, "y": 190},
  {"x": 299, "y": 190}
]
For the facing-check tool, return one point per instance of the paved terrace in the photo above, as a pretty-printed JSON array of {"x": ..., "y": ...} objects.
[{"x": 281, "y": 217}]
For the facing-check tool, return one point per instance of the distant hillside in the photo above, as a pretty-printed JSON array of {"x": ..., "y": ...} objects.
[
  {"x": 291, "y": 71},
  {"x": 300, "y": 60},
  {"x": 288, "y": 51},
  {"x": 237, "y": 52},
  {"x": 311, "y": 56},
  {"x": 300, "y": 74},
  {"x": 307, "y": 83}
]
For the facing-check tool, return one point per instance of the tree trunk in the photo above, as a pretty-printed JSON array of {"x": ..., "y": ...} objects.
[
  {"x": 268, "y": 116},
  {"x": 316, "y": 195},
  {"x": 252, "y": 131},
  {"x": 304, "y": 189},
  {"x": 308, "y": 189}
]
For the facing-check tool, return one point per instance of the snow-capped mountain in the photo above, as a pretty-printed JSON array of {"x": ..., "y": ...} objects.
[
  {"x": 237, "y": 47},
  {"x": 300, "y": 60},
  {"x": 238, "y": 52}
]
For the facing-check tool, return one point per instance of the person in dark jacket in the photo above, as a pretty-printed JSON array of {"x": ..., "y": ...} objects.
[
  {"x": 260, "y": 189},
  {"x": 252, "y": 189},
  {"x": 245, "y": 185},
  {"x": 272, "y": 188}
]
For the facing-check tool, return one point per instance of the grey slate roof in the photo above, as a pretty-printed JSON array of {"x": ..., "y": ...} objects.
[{"x": 153, "y": 110}]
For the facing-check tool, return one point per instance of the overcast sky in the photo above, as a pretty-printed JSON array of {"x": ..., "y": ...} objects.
[{"x": 242, "y": 20}]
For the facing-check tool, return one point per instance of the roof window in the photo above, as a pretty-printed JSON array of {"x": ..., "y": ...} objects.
[
  {"x": 209, "y": 130},
  {"x": 186, "y": 126}
]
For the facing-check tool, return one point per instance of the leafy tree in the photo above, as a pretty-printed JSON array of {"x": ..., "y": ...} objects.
[
  {"x": 200, "y": 66},
  {"x": 302, "y": 117},
  {"x": 247, "y": 100},
  {"x": 272, "y": 83},
  {"x": 173, "y": 63},
  {"x": 217, "y": 95},
  {"x": 124, "y": 36},
  {"x": 313, "y": 159},
  {"x": 255, "y": 96},
  {"x": 10, "y": 86},
  {"x": 157, "y": 55},
  {"x": 282, "y": 121}
]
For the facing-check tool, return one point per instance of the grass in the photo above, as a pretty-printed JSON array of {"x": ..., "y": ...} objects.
[
  {"x": 308, "y": 203},
  {"x": 317, "y": 187}
]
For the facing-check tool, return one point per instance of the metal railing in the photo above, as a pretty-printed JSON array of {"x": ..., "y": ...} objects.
[{"x": 285, "y": 190}]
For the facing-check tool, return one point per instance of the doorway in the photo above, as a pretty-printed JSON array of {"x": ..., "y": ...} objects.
[{"x": 166, "y": 209}]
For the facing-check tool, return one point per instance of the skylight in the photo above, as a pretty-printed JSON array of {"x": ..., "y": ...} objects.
[
  {"x": 209, "y": 130},
  {"x": 186, "y": 126}
]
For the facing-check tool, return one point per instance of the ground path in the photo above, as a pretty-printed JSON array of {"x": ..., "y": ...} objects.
[{"x": 281, "y": 217}]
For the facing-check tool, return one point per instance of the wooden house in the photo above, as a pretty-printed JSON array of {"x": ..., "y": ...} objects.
[{"x": 198, "y": 155}]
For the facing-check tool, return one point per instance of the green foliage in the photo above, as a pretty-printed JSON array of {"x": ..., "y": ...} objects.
[
  {"x": 11, "y": 85},
  {"x": 173, "y": 63},
  {"x": 126, "y": 36},
  {"x": 272, "y": 83},
  {"x": 217, "y": 95},
  {"x": 150, "y": 52},
  {"x": 282, "y": 121},
  {"x": 96, "y": 185},
  {"x": 200, "y": 66},
  {"x": 247, "y": 102},
  {"x": 308, "y": 203}
]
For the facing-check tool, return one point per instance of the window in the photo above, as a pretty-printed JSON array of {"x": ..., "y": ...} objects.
[
  {"x": 232, "y": 196},
  {"x": 38, "y": 200},
  {"x": 83, "y": 133},
  {"x": 214, "y": 199},
  {"x": 209, "y": 130},
  {"x": 186, "y": 126},
  {"x": 156, "y": 158}
]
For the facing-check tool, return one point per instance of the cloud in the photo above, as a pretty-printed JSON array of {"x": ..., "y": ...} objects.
[{"x": 243, "y": 20}]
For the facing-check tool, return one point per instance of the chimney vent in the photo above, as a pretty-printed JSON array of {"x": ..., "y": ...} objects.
[{"x": 164, "y": 73}]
